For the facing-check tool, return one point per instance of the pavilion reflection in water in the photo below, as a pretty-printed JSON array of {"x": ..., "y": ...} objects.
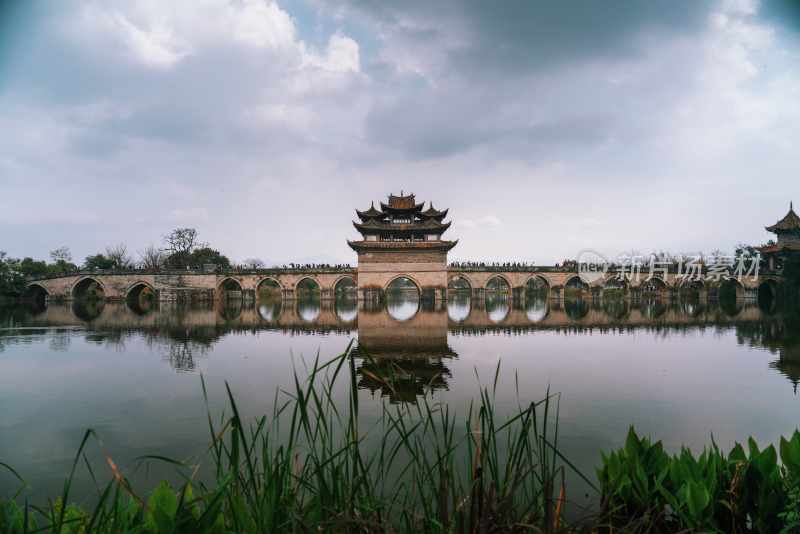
[
  {"x": 402, "y": 350},
  {"x": 405, "y": 338}
]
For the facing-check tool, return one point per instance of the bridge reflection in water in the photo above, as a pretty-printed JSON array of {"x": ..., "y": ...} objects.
[{"x": 403, "y": 349}]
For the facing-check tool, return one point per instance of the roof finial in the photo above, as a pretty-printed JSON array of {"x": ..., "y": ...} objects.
[
  {"x": 790, "y": 206},
  {"x": 401, "y": 192}
]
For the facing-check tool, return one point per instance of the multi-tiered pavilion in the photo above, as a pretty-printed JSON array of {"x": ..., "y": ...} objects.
[
  {"x": 402, "y": 240},
  {"x": 787, "y": 232}
]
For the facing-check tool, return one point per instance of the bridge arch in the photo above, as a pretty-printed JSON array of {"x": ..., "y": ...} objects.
[
  {"x": 694, "y": 284},
  {"x": 230, "y": 288},
  {"x": 767, "y": 295},
  {"x": 615, "y": 282},
  {"x": 344, "y": 284},
  {"x": 269, "y": 285},
  {"x": 137, "y": 287},
  {"x": 307, "y": 285},
  {"x": 398, "y": 282},
  {"x": 37, "y": 295},
  {"x": 36, "y": 290},
  {"x": 731, "y": 288},
  {"x": 498, "y": 282},
  {"x": 88, "y": 287},
  {"x": 654, "y": 285},
  {"x": 537, "y": 282},
  {"x": 576, "y": 282},
  {"x": 459, "y": 282}
]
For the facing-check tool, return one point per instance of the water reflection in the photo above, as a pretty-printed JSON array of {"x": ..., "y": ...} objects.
[
  {"x": 88, "y": 310},
  {"x": 108, "y": 362},
  {"x": 346, "y": 306},
  {"x": 653, "y": 307},
  {"x": 407, "y": 320},
  {"x": 616, "y": 308},
  {"x": 269, "y": 309},
  {"x": 308, "y": 308},
  {"x": 497, "y": 307},
  {"x": 536, "y": 307},
  {"x": 402, "y": 304},
  {"x": 402, "y": 360},
  {"x": 576, "y": 308},
  {"x": 459, "y": 305}
]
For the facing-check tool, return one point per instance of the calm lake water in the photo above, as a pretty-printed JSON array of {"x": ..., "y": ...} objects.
[{"x": 678, "y": 371}]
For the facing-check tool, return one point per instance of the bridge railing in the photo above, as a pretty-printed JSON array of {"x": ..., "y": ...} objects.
[{"x": 234, "y": 270}]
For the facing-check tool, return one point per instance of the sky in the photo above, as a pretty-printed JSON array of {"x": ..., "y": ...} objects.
[{"x": 546, "y": 128}]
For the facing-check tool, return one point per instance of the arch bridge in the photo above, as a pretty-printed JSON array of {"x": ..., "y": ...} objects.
[{"x": 291, "y": 283}]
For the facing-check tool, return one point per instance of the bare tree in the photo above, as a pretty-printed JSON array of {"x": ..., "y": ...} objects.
[
  {"x": 61, "y": 254},
  {"x": 151, "y": 258},
  {"x": 253, "y": 263},
  {"x": 182, "y": 241},
  {"x": 119, "y": 255}
]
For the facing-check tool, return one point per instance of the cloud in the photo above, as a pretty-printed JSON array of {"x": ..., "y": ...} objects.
[
  {"x": 188, "y": 215},
  {"x": 264, "y": 124},
  {"x": 486, "y": 220}
]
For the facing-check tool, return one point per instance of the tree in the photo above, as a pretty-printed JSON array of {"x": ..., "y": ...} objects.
[
  {"x": 98, "y": 261},
  {"x": 207, "y": 256},
  {"x": 118, "y": 255},
  {"x": 182, "y": 241},
  {"x": 61, "y": 254},
  {"x": 152, "y": 258},
  {"x": 62, "y": 261},
  {"x": 31, "y": 267},
  {"x": 254, "y": 263},
  {"x": 12, "y": 282}
]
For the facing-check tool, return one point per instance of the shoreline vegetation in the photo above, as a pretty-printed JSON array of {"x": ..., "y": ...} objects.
[{"x": 315, "y": 465}]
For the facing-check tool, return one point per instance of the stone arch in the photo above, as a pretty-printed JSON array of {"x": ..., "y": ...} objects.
[
  {"x": 495, "y": 282},
  {"x": 37, "y": 295},
  {"x": 537, "y": 282},
  {"x": 615, "y": 282},
  {"x": 344, "y": 284},
  {"x": 88, "y": 287},
  {"x": 654, "y": 285},
  {"x": 307, "y": 285},
  {"x": 35, "y": 289},
  {"x": 139, "y": 297},
  {"x": 230, "y": 288},
  {"x": 459, "y": 282},
  {"x": 767, "y": 295},
  {"x": 269, "y": 285},
  {"x": 575, "y": 282},
  {"x": 139, "y": 286},
  {"x": 731, "y": 287},
  {"x": 695, "y": 284},
  {"x": 406, "y": 277}
]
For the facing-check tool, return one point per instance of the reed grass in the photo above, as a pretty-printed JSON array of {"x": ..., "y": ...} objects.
[{"x": 315, "y": 465}]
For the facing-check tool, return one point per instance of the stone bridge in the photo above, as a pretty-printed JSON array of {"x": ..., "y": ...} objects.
[
  {"x": 194, "y": 285},
  {"x": 289, "y": 283}
]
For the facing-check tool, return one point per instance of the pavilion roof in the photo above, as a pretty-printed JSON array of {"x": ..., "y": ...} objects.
[
  {"x": 373, "y": 225},
  {"x": 791, "y": 222},
  {"x": 433, "y": 213},
  {"x": 371, "y": 213}
]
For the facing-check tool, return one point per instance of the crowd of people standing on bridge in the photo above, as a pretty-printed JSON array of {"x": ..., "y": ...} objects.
[{"x": 508, "y": 265}]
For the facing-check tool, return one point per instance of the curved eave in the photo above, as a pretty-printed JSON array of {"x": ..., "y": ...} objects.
[
  {"x": 376, "y": 227},
  {"x": 782, "y": 229},
  {"x": 360, "y": 246},
  {"x": 369, "y": 214},
  {"x": 386, "y": 208},
  {"x": 435, "y": 214},
  {"x": 790, "y": 223}
]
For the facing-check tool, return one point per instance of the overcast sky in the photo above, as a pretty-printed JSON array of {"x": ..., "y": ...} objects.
[{"x": 546, "y": 128}]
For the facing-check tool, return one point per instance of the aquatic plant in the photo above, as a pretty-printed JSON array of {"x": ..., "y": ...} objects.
[
  {"x": 313, "y": 466},
  {"x": 747, "y": 490}
]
